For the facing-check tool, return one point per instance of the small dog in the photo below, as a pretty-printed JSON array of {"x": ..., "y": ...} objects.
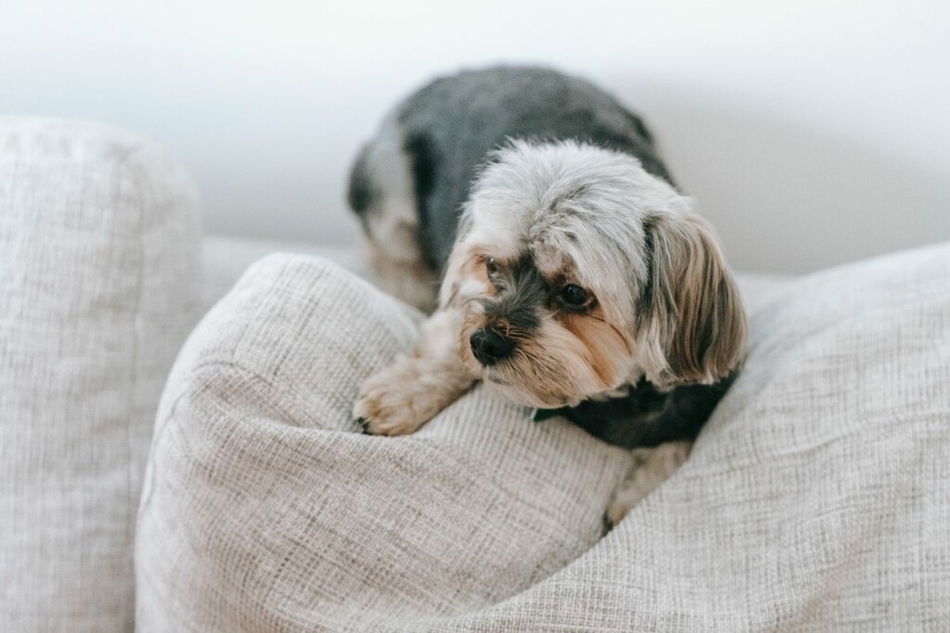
[{"x": 574, "y": 276}]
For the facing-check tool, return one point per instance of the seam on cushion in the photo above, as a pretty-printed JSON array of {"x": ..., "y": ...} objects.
[
  {"x": 237, "y": 367},
  {"x": 140, "y": 183},
  {"x": 173, "y": 406},
  {"x": 239, "y": 339},
  {"x": 157, "y": 434}
]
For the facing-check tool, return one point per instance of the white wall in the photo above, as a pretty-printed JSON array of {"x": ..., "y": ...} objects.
[{"x": 810, "y": 132}]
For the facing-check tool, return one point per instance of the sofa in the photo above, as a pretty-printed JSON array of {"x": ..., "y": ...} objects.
[{"x": 177, "y": 451}]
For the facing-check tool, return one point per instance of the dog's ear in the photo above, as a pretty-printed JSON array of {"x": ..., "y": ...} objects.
[
  {"x": 455, "y": 268},
  {"x": 691, "y": 324}
]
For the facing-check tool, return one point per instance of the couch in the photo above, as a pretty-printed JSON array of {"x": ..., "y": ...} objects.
[{"x": 232, "y": 491}]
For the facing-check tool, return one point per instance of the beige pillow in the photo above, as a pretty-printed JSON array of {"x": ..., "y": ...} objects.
[
  {"x": 266, "y": 509},
  {"x": 98, "y": 286},
  {"x": 815, "y": 499}
]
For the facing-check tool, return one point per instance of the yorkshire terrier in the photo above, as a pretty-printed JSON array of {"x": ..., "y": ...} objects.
[{"x": 574, "y": 276}]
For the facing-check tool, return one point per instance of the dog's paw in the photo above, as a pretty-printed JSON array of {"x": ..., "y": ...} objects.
[
  {"x": 396, "y": 401},
  {"x": 386, "y": 413},
  {"x": 652, "y": 466}
]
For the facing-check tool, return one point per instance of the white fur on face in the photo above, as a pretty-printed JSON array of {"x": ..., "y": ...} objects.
[
  {"x": 578, "y": 214},
  {"x": 568, "y": 199}
]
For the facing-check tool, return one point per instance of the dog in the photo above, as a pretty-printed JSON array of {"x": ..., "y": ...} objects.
[{"x": 530, "y": 213}]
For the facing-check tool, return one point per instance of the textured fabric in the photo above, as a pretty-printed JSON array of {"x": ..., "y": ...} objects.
[
  {"x": 98, "y": 271},
  {"x": 817, "y": 498},
  {"x": 262, "y": 510}
]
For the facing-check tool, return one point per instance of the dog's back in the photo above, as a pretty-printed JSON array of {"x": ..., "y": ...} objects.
[{"x": 409, "y": 182}]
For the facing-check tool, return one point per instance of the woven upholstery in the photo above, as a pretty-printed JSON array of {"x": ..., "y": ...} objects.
[
  {"x": 98, "y": 287},
  {"x": 816, "y": 498}
]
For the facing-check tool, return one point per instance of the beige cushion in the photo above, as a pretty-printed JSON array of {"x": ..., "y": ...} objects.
[
  {"x": 263, "y": 510},
  {"x": 98, "y": 272},
  {"x": 815, "y": 499}
]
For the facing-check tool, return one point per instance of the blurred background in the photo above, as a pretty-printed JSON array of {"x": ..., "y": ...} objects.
[{"x": 811, "y": 133}]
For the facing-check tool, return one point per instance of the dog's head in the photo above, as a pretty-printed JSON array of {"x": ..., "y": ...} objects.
[{"x": 577, "y": 271}]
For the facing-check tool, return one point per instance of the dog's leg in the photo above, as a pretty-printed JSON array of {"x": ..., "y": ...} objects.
[
  {"x": 403, "y": 275},
  {"x": 652, "y": 466},
  {"x": 405, "y": 395},
  {"x": 383, "y": 194}
]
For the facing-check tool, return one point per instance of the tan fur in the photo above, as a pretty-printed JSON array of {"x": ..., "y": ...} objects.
[
  {"x": 693, "y": 323},
  {"x": 552, "y": 368},
  {"x": 651, "y": 467},
  {"x": 609, "y": 350},
  {"x": 475, "y": 269},
  {"x": 465, "y": 277},
  {"x": 573, "y": 356},
  {"x": 408, "y": 393},
  {"x": 407, "y": 279}
]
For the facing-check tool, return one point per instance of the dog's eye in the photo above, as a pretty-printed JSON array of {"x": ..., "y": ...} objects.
[
  {"x": 490, "y": 266},
  {"x": 575, "y": 296}
]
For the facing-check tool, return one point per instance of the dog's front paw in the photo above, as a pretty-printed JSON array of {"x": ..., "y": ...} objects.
[
  {"x": 396, "y": 400},
  {"x": 385, "y": 412}
]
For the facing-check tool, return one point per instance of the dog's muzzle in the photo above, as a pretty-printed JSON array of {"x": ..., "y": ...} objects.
[{"x": 490, "y": 346}]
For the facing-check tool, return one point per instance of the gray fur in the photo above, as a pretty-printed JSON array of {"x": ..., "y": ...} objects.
[{"x": 450, "y": 126}]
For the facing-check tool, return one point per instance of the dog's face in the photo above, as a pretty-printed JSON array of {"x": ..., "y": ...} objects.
[{"x": 576, "y": 272}]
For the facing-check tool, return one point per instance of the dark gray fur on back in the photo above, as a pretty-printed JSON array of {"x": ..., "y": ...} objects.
[{"x": 452, "y": 124}]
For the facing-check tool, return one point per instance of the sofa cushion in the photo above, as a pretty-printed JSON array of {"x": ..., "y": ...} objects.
[
  {"x": 815, "y": 499},
  {"x": 265, "y": 509},
  {"x": 98, "y": 281}
]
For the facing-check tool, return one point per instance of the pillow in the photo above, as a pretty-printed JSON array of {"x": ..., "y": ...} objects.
[
  {"x": 266, "y": 509},
  {"x": 816, "y": 497},
  {"x": 98, "y": 288}
]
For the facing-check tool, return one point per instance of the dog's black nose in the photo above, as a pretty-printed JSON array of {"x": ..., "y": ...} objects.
[{"x": 490, "y": 347}]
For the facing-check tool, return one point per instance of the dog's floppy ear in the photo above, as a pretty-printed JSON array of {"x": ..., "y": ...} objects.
[
  {"x": 454, "y": 273},
  {"x": 691, "y": 324}
]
